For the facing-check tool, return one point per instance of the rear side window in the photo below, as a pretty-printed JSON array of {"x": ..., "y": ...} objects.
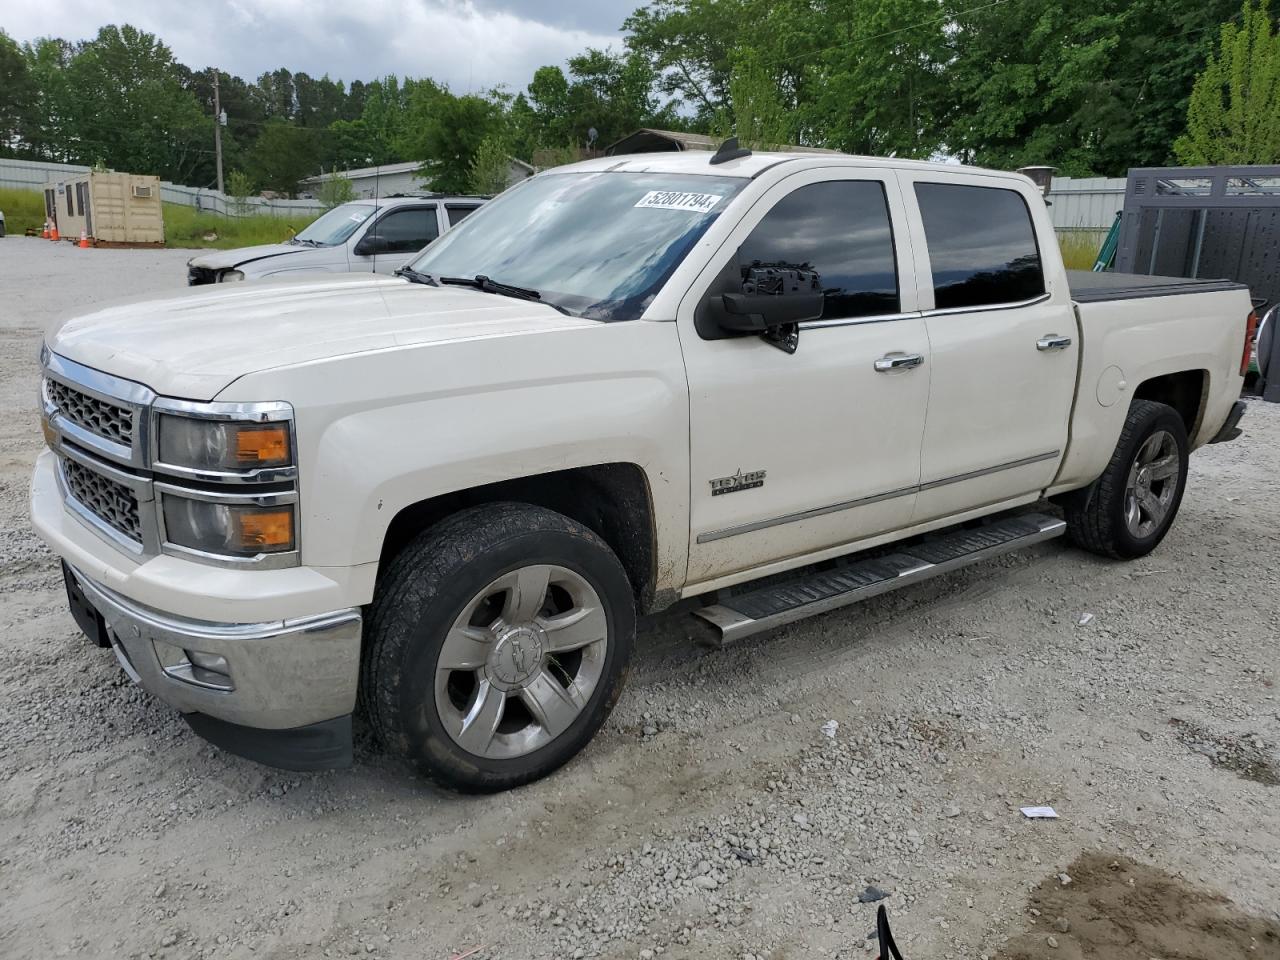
[
  {"x": 458, "y": 213},
  {"x": 982, "y": 245},
  {"x": 841, "y": 228}
]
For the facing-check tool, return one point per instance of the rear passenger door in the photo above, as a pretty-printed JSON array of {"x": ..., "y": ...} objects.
[
  {"x": 1001, "y": 343},
  {"x": 457, "y": 212}
]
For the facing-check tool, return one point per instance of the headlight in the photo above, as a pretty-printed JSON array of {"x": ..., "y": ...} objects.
[
  {"x": 230, "y": 275},
  {"x": 223, "y": 445},
  {"x": 229, "y": 529}
]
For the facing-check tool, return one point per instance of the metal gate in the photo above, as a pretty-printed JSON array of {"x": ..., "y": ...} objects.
[{"x": 1213, "y": 222}]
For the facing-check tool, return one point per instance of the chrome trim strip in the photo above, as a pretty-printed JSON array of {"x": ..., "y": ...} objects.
[
  {"x": 109, "y": 389},
  {"x": 262, "y": 499},
  {"x": 987, "y": 308},
  {"x": 853, "y": 321},
  {"x": 804, "y": 515},
  {"x": 97, "y": 384},
  {"x": 755, "y": 525},
  {"x": 974, "y": 474}
]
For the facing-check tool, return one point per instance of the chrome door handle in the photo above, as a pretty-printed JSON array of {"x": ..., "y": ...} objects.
[
  {"x": 899, "y": 362},
  {"x": 1053, "y": 342}
]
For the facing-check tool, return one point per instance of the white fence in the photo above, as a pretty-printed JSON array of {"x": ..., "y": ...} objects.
[
  {"x": 1085, "y": 203},
  {"x": 34, "y": 174}
]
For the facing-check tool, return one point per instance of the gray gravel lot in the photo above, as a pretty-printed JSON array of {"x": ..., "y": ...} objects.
[{"x": 712, "y": 817}]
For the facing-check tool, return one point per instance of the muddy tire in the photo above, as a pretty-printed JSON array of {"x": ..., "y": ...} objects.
[
  {"x": 497, "y": 644},
  {"x": 1127, "y": 511}
]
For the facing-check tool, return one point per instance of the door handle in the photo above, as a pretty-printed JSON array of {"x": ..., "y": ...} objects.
[
  {"x": 900, "y": 362},
  {"x": 1053, "y": 342}
]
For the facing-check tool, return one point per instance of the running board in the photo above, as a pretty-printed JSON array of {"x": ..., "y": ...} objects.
[{"x": 779, "y": 604}]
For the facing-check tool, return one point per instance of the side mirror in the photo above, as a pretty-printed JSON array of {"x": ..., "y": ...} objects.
[
  {"x": 775, "y": 299},
  {"x": 371, "y": 243}
]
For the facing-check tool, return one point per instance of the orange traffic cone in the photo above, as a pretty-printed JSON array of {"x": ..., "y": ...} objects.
[
  {"x": 84, "y": 240},
  {"x": 45, "y": 232},
  {"x": 53, "y": 231}
]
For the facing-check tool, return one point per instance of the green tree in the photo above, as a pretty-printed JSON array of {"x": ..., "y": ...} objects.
[
  {"x": 1234, "y": 111},
  {"x": 20, "y": 95},
  {"x": 490, "y": 166},
  {"x": 335, "y": 191},
  {"x": 450, "y": 134},
  {"x": 284, "y": 154},
  {"x": 129, "y": 110},
  {"x": 239, "y": 188}
]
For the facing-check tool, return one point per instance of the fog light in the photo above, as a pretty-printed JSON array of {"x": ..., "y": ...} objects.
[{"x": 209, "y": 661}]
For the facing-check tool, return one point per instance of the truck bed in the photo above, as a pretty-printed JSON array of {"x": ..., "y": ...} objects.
[{"x": 1089, "y": 287}]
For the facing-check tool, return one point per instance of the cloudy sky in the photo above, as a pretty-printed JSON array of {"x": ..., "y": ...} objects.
[{"x": 469, "y": 44}]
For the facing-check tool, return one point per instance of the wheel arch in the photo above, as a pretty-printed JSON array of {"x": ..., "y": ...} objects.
[
  {"x": 611, "y": 499},
  {"x": 1186, "y": 391}
]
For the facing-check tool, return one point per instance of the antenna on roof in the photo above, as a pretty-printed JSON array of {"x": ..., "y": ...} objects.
[{"x": 729, "y": 150}]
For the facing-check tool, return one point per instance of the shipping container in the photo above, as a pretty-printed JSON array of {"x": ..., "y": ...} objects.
[{"x": 108, "y": 207}]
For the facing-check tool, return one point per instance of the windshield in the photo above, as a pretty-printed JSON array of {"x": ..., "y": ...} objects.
[
  {"x": 597, "y": 245},
  {"x": 336, "y": 225}
]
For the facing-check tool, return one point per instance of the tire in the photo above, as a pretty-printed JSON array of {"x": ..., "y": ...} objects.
[
  {"x": 1101, "y": 518},
  {"x": 453, "y": 630}
]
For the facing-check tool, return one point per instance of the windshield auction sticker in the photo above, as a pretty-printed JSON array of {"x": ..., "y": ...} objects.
[{"x": 677, "y": 200}]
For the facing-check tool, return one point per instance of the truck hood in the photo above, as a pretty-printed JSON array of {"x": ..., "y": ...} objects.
[
  {"x": 226, "y": 259},
  {"x": 193, "y": 345}
]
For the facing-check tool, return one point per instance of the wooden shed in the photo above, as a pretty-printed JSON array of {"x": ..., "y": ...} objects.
[{"x": 109, "y": 207}]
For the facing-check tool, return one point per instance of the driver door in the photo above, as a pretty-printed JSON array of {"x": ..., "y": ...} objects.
[
  {"x": 795, "y": 454},
  {"x": 396, "y": 236}
]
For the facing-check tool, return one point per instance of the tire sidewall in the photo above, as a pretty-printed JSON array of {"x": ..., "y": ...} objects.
[
  {"x": 429, "y": 743},
  {"x": 1126, "y": 544}
]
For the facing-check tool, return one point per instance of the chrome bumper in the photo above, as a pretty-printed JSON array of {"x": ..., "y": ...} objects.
[{"x": 278, "y": 676}]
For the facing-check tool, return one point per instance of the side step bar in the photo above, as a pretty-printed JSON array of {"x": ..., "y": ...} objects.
[{"x": 779, "y": 604}]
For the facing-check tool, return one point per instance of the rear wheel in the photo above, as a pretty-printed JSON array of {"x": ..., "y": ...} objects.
[
  {"x": 497, "y": 645},
  {"x": 1129, "y": 509}
]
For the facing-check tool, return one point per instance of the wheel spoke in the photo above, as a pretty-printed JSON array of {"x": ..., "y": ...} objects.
[
  {"x": 481, "y": 721},
  {"x": 465, "y": 648},
  {"x": 577, "y": 628},
  {"x": 1166, "y": 468},
  {"x": 1152, "y": 505},
  {"x": 552, "y": 705},
  {"x": 526, "y": 591},
  {"x": 1132, "y": 514},
  {"x": 1150, "y": 449}
]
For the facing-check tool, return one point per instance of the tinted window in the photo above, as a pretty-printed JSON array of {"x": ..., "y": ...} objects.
[
  {"x": 407, "y": 231},
  {"x": 457, "y": 214},
  {"x": 842, "y": 229},
  {"x": 981, "y": 245}
]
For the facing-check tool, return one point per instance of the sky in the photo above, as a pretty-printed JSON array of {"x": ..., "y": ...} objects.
[{"x": 471, "y": 45}]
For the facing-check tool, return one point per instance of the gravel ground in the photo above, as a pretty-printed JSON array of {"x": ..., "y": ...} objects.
[{"x": 712, "y": 817}]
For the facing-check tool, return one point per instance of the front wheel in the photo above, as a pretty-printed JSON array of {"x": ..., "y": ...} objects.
[
  {"x": 497, "y": 646},
  {"x": 1129, "y": 509}
]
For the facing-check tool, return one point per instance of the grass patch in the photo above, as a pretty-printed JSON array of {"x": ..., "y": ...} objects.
[
  {"x": 183, "y": 226},
  {"x": 187, "y": 227},
  {"x": 22, "y": 209},
  {"x": 1080, "y": 248}
]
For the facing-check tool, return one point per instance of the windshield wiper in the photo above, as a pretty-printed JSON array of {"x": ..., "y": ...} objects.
[
  {"x": 414, "y": 276},
  {"x": 481, "y": 282}
]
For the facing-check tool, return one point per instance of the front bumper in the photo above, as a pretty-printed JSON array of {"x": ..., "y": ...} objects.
[{"x": 280, "y": 692}]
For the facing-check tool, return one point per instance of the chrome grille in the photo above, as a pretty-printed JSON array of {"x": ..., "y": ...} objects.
[
  {"x": 111, "y": 502},
  {"x": 107, "y": 420}
]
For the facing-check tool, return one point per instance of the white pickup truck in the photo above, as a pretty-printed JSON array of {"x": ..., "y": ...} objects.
[{"x": 441, "y": 499}]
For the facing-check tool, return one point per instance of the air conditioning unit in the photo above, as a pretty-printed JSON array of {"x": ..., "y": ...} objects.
[{"x": 142, "y": 191}]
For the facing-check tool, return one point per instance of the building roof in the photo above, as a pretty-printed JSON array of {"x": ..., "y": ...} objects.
[
  {"x": 365, "y": 173},
  {"x": 649, "y": 140}
]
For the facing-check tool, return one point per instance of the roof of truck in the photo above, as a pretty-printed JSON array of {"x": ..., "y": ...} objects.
[{"x": 699, "y": 162}]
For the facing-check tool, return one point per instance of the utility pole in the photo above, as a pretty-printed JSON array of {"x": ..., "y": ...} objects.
[{"x": 219, "y": 119}]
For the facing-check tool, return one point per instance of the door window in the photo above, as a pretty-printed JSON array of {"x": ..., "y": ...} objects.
[
  {"x": 841, "y": 229},
  {"x": 407, "y": 231},
  {"x": 458, "y": 213},
  {"x": 982, "y": 245}
]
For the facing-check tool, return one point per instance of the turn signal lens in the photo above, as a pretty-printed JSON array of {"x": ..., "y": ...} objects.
[
  {"x": 256, "y": 446},
  {"x": 265, "y": 530}
]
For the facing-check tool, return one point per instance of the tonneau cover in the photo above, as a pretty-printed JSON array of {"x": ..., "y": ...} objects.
[{"x": 1089, "y": 287}]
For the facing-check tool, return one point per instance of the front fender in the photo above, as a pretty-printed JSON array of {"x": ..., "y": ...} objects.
[{"x": 381, "y": 431}]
